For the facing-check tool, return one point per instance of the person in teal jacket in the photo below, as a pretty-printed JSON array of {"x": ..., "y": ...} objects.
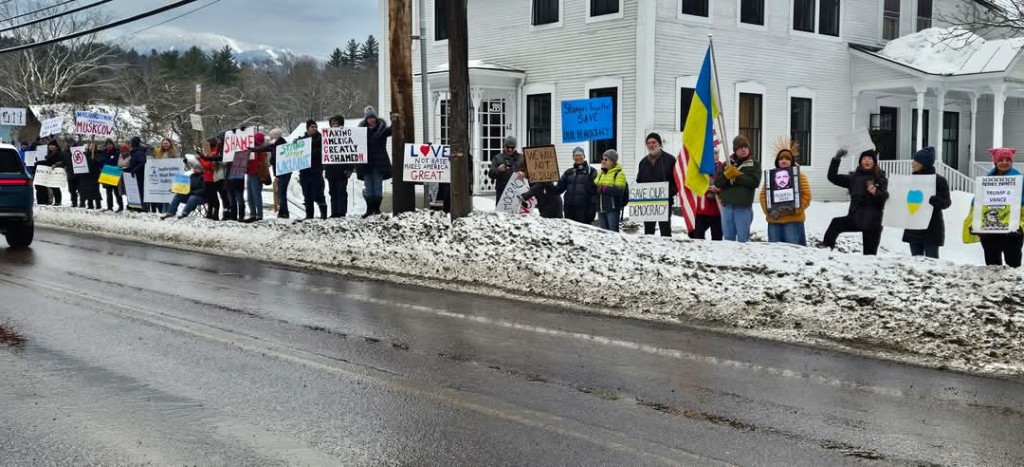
[{"x": 611, "y": 188}]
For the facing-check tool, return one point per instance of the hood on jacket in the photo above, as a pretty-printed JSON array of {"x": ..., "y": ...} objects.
[{"x": 136, "y": 142}]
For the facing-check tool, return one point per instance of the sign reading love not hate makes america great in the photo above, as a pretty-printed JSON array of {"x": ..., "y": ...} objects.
[
  {"x": 425, "y": 163},
  {"x": 94, "y": 124},
  {"x": 344, "y": 145},
  {"x": 588, "y": 120}
]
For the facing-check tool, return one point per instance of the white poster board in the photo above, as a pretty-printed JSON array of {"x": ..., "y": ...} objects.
[
  {"x": 12, "y": 116},
  {"x": 857, "y": 141},
  {"x": 344, "y": 145},
  {"x": 197, "y": 122},
  {"x": 294, "y": 157},
  {"x": 158, "y": 179},
  {"x": 648, "y": 202},
  {"x": 997, "y": 204},
  {"x": 509, "y": 202},
  {"x": 908, "y": 206},
  {"x": 51, "y": 126},
  {"x": 49, "y": 177},
  {"x": 94, "y": 124},
  {"x": 427, "y": 164},
  {"x": 238, "y": 140},
  {"x": 131, "y": 188},
  {"x": 79, "y": 161}
]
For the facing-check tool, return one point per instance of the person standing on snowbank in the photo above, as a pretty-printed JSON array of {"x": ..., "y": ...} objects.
[
  {"x": 786, "y": 225},
  {"x": 611, "y": 186},
  {"x": 109, "y": 156},
  {"x": 312, "y": 178},
  {"x": 999, "y": 247},
  {"x": 928, "y": 241},
  {"x": 337, "y": 178},
  {"x": 377, "y": 168},
  {"x": 656, "y": 167},
  {"x": 504, "y": 164},
  {"x": 868, "y": 187},
  {"x": 737, "y": 183},
  {"x": 580, "y": 191}
]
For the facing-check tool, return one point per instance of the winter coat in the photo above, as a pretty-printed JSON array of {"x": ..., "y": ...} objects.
[
  {"x": 124, "y": 160},
  {"x": 709, "y": 205},
  {"x": 53, "y": 159},
  {"x": 69, "y": 165},
  {"x": 137, "y": 165},
  {"x": 209, "y": 163},
  {"x": 377, "y": 150},
  {"x": 739, "y": 192},
  {"x": 578, "y": 186},
  {"x": 800, "y": 213},
  {"x": 197, "y": 184},
  {"x": 159, "y": 153},
  {"x": 865, "y": 209},
  {"x": 660, "y": 170},
  {"x": 968, "y": 236},
  {"x": 109, "y": 158},
  {"x": 549, "y": 203},
  {"x": 515, "y": 163},
  {"x": 935, "y": 234},
  {"x": 611, "y": 185}
]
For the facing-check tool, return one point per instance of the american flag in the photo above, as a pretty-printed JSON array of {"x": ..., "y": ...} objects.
[{"x": 688, "y": 201}]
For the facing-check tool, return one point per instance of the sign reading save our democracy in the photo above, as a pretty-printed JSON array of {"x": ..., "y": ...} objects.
[
  {"x": 94, "y": 124},
  {"x": 648, "y": 202},
  {"x": 294, "y": 157},
  {"x": 344, "y": 145},
  {"x": 425, "y": 163},
  {"x": 588, "y": 120}
]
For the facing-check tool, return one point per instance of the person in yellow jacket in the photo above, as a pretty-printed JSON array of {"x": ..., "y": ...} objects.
[
  {"x": 786, "y": 224},
  {"x": 1006, "y": 246},
  {"x": 612, "y": 190}
]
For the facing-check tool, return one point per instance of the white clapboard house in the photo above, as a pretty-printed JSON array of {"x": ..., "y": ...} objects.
[{"x": 810, "y": 69}]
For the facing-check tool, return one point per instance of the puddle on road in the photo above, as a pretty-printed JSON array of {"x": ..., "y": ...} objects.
[{"x": 9, "y": 338}]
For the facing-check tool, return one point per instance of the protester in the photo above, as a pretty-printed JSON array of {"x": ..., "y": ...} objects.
[
  {"x": 504, "y": 165},
  {"x": 212, "y": 184},
  {"x": 549, "y": 201},
  {"x": 195, "y": 196},
  {"x": 656, "y": 167},
  {"x": 707, "y": 215},
  {"x": 868, "y": 187},
  {"x": 737, "y": 182},
  {"x": 234, "y": 186},
  {"x": 786, "y": 224},
  {"x": 337, "y": 178},
  {"x": 274, "y": 139},
  {"x": 253, "y": 180},
  {"x": 89, "y": 183},
  {"x": 928, "y": 241},
  {"x": 167, "y": 150},
  {"x": 312, "y": 179},
  {"x": 580, "y": 191},
  {"x": 1008, "y": 247},
  {"x": 378, "y": 166},
  {"x": 74, "y": 192},
  {"x": 611, "y": 184},
  {"x": 109, "y": 157},
  {"x": 55, "y": 158},
  {"x": 137, "y": 167}
]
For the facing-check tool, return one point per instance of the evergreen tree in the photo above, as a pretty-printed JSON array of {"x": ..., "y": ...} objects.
[
  {"x": 352, "y": 52},
  {"x": 194, "y": 62},
  {"x": 223, "y": 69},
  {"x": 370, "y": 49},
  {"x": 168, "y": 61},
  {"x": 337, "y": 59}
]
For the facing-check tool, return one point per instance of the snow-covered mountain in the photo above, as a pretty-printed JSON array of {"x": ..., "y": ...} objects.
[{"x": 164, "y": 38}]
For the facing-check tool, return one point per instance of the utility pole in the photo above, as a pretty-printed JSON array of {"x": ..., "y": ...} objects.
[
  {"x": 402, "y": 112},
  {"x": 424, "y": 90},
  {"x": 458, "y": 78}
]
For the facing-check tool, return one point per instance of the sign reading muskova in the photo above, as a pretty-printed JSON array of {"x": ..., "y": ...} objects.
[{"x": 94, "y": 124}]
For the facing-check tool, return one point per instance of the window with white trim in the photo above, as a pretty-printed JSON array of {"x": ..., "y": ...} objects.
[
  {"x": 685, "y": 100},
  {"x": 545, "y": 12},
  {"x": 440, "y": 20},
  {"x": 800, "y": 113},
  {"x": 752, "y": 12},
  {"x": 924, "y": 14},
  {"x": 817, "y": 17},
  {"x": 696, "y": 7},
  {"x": 891, "y": 20},
  {"x": 538, "y": 119},
  {"x": 750, "y": 115},
  {"x": 604, "y": 7},
  {"x": 597, "y": 148}
]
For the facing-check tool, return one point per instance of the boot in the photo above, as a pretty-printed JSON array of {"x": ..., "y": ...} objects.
[
  {"x": 369, "y": 207},
  {"x": 309, "y": 210},
  {"x": 323, "y": 211},
  {"x": 376, "y": 205}
]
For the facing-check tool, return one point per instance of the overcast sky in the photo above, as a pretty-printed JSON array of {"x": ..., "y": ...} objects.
[{"x": 306, "y": 27}]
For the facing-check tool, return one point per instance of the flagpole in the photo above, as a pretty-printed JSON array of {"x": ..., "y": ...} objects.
[{"x": 718, "y": 97}]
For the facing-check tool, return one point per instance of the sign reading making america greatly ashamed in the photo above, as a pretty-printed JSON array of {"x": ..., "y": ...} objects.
[
  {"x": 997, "y": 203},
  {"x": 908, "y": 206},
  {"x": 648, "y": 202},
  {"x": 425, "y": 163},
  {"x": 51, "y": 126},
  {"x": 541, "y": 164},
  {"x": 235, "y": 141},
  {"x": 344, "y": 145},
  {"x": 79, "y": 160},
  {"x": 159, "y": 177},
  {"x": 12, "y": 117},
  {"x": 294, "y": 157},
  {"x": 94, "y": 124},
  {"x": 588, "y": 120}
]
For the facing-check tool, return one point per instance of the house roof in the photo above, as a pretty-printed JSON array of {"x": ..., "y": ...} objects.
[{"x": 949, "y": 52}]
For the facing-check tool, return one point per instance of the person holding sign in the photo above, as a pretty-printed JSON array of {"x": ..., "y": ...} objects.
[
  {"x": 580, "y": 191},
  {"x": 211, "y": 184},
  {"x": 89, "y": 184},
  {"x": 656, "y": 167},
  {"x": 137, "y": 165},
  {"x": 196, "y": 195},
  {"x": 549, "y": 201},
  {"x": 312, "y": 179},
  {"x": 109, "y": 157},
  {"x": 737, "y": 183},
  {"x": 281, "y": 181},
  {"x": 54, "y": 159},
  {"x": 868, "y": 187},
  {"x": 504, "y": 165},
  {"x": 999, "y": 247},
  {"x": 790, "y": 199},
  {"x": 337, "y": 178},
  {"x": 378, "y": 165},
  {"x": 928, "y": 241},
  {"x": 611, "y": 188}
]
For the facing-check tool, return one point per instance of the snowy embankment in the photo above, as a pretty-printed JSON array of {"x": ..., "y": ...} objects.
[{"x": 929, "y": 312}]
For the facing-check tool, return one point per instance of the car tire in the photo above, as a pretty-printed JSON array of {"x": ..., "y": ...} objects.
[{"x": 21, "y": 237}]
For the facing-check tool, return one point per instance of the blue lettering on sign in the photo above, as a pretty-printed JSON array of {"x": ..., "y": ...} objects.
[{"x": 588, "y": 120}]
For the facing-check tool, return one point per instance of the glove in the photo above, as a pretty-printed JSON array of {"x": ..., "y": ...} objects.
[
  {"x": 732, "y": 173},
  {"x": 787, "y": 210},
  {"x": 841, "y": 153},
  {"x": 775, "y": 214},
  {"x": 934, "y": 201}
]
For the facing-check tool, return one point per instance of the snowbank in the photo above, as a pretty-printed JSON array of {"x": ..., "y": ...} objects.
[{"x": 929, "y": 312}]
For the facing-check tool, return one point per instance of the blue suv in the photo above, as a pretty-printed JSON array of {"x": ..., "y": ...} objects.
[{"x": 16, "y": 199}]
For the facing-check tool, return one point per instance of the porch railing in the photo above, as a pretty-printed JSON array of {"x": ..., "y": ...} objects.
[
  {"x": 957, "y": 180},
  {"x": 980, "y": 169}
]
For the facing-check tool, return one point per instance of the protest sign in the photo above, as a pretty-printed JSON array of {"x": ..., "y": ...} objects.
[
  {"x": 197, "y": 122},
  {"x": 12, "y": 116},
  {"x": 51, "y": 126},
  {"x": 541, "y": 164},
  {"x": 111, "y": 175},
  {"x": 588, "y": 120},
  {"x": 510, "y": 203},
  {"x": 94, "y": 124},
  {"x": 344, "y": 145},
  {"x": 294, "y": 157},
  {"x": 49, "y": 177},
  {"x": 997, "y": 203},
  {"x": 908, "y": 206},
  {"x": 131, "y": 188},
  {"x": 857, "y": 141},
  {"x": 40, "y": 154},
  {"x": 79, "y": 160},
  {"x": 237, "y": 169},
  {"x": 159, "y": 177},
  {"x": 783, "y": 187},
  {"x": 648, "y": 202},
  {"x": 238, "y": 140},
  {"x": 182, "y": 184},
  {"x": 425, "y": 163}
]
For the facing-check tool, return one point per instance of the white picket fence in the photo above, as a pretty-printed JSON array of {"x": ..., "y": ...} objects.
[{"x": 957, "y": 180}]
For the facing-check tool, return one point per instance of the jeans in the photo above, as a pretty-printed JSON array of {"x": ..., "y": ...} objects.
[
  {"x": 609, "y": 220},
  {"x": 191, "y": 202},
  {"x": 236, "y": 198},
  {"x": 924, "y": 249},
  {"x": 373, "y": 181},
  {"x": 282, "y": 194},
  {"x": 790, "y": 232},
  {"x": 338, "y": 188},
  {"x": 254, "y": 188},
  {"x": 703, "y": 223},
  {"x": 736, "y": 222},
  {"x": 871, "y": 237}
]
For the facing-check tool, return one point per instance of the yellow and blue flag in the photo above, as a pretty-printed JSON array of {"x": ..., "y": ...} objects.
[{"x": 698, "y": 135}]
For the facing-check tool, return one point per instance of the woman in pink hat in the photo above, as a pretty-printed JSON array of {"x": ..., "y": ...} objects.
[{"x": 999, "y": 247}]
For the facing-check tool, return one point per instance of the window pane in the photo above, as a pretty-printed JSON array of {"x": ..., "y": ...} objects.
[
  {"x": 695, "y": 7},
  {"x": 891, "y": 20},
  {"x": 803, "y": 15},
  {"x": 829, "y": 22},
  {"x": 603, "y": 7},
  {"x": 545, "y": 12},
  {"x": 750, "y": 121},
  {"x": 446, "y": 109},
  {"x": 440, "y": 20},
  {"x": 685, "y": 99},
  {"x": 800, "y": 127},
  {"x": 752, "y": 12},
  {"x": 538, "y": 119},
  {"x": 597, "y": 148},
  {"x": 924, "y": 14},
  {"x": 951, "y": 139}
]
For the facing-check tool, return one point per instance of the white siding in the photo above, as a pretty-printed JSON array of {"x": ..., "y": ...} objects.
[{"x": 1014, "y": 119}]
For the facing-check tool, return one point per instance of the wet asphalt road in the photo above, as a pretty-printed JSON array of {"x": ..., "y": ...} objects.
[{"x": 115, "y": 353}]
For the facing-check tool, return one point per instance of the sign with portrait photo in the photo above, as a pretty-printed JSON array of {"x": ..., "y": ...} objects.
[{"x": 783, "y": 188}]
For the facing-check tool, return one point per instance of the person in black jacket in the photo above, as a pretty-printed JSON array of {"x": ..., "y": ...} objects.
[
  {"x": 577, "y": 184},
  {"x": 73, "y": 179},
  {"x": 54, "y": 159},
  {"x": 89, "y": 184},
  {"x": 337, "y": 178},
  {"x": 504, "y": 165},
  {"x": 137, "y": 167},
  {"x": 928, "y": 241},
  {"x": 312, "y": 179},
  {"x": 196, "y": 195},
  {"x": 377, "y": 168},
  {"x": 658, "y": 166},
  {"x": 549, "y": 200},
  {"x": 109, "y": 155},
  {"x": 868, "y": 188}
]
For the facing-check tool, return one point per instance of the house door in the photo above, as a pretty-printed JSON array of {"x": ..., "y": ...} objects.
[
  {"x": 886, "y": 140},
  {"x": 494, "y": 126}
]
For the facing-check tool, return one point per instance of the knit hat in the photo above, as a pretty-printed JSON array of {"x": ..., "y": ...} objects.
[
  {"x": 611, "y": 155},
  {"x": 259, "y": 139},
  {"x": 136, "y": 141},
  {"x": 369, "y": 111},
  {"x": 125, "y": 148},
  {"x": 655, "y": 137},
  {"x": 578, "y": 149},
  {"x": 926, "y": 157},
  {"x": 869, "y": 153},
  {"x": 1002, "y": 153},
  {"x": 337, "y": 119},
  {"x": 276, "y": 134},
  {"x": 510, "y": 141},
  {"x": 740, "y": 141}
]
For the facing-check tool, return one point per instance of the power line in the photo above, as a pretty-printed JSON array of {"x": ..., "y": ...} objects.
[
  {"x": 58, "y": 15},
  {"x": 39, "y": 10},
  {"x": 6, "y": 2},
  {"x": 147, "y": 28},
  {"x": 97, "y": 29}
]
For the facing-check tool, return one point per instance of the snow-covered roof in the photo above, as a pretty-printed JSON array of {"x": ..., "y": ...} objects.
[{"x": 951, "y": 51}]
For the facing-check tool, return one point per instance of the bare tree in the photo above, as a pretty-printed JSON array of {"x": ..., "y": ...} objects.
[{"x": 984, "y": 18}]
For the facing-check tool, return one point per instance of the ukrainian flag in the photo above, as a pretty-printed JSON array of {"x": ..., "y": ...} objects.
[
  {"x": 698, "y": 136},
  {"x": 110, "y": 176}
]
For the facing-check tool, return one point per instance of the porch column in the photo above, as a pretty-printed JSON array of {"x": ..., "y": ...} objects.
[
  {"x": 999, "y": 95},
  {"x": 974, "y": 133},
  {"x": 474, "y": 141},
  {"x": 921, "y": 90},
  {"x": 853, "y": 110},
  {"x": 940, "y": 108}
]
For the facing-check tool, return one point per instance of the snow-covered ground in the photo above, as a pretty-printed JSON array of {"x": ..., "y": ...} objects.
[{"x": 929, "y": 312}]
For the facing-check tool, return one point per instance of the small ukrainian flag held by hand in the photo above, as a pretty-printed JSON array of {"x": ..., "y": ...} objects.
[
  {"x": 111, "y": 175},
  {"x": 698, "y": 137},
  {"x": 181, "y": 184}
]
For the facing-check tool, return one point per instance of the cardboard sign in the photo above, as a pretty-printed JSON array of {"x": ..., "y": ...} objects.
[
  {"x": 49, "y": 177},
  {"x": 294, "y": 157},
  {"x": 857, "y": 141},
  {"x": 344, "y": 145},
  {"x": 997, "y": 203},
  {"x": 182, "y": 184},
  {"x": 425, "y": 163},
  {"x": 237, "y": 169},
  {"x": 908, "y": 206},
  {"x": 79, "y": 160},
  {"x": 131, "y": 188},
  {"x": 648, "y": 202},
  {"x": 158, "y": 178},
  {"x": 588, "y": 120},
  {"x": 12, "y": 117},
  {"x": 197, "y": 122},
  {"x": 51, "y": 126},
  {"x": 94, "y": 124},
  {"x": 111, "y": 175},
  {"x": 510, "y": 200},
  {"x": 542, "y": 164},
  {"x": 783, "y": 187},
  {"x": 238, "y": 140}
]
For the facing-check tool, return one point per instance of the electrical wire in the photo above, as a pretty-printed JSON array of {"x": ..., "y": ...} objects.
[
  {"x": 58, "y": 15},
  {"x": 65, "y": 2},
  {"x": 166, "y": 21}
]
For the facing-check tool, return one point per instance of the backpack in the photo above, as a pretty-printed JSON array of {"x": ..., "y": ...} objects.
[{"x": 625, "y": 196}]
